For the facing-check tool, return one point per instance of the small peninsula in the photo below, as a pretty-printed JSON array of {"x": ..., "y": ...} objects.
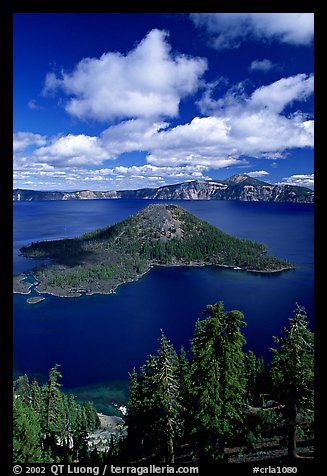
[{"x": 160, "y": 234}]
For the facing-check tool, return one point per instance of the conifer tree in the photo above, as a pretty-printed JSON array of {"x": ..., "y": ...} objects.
[
  {"x": 92, "y": 418},
  {"x": 26, "y": 434},
  {"x": 255, "y": 374},
  {"x": 141, "y": 410},
  {"x": 72, "y": 416},
  {"x": 167, "y": 396},
  {"x": 81, "y": 430},
  {"x": 77, "y": 424},
  {"x": 292, "y": 373},
  {"x": 65, "y": 432},
  {"x": 133, "y": 415},
  {"x": 36, "y": 398},
  {"x": 22, "y": 388},
  {"x": 218, "y": 383},
  {"x": 52, "y": 407},
  {"x": 153, "y": 409},
  {"x": 184, "y": 380},
  {"x": 47, "y": 425}
]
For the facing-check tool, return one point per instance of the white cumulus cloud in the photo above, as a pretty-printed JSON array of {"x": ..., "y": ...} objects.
[
  {"x": 218, "y": 142},
  {"x": 72, "y": 150},
  {"x": 302, "y": 180},
  {"x": 149, "y": 170},
  {"x": 231, "y": 130},
  {"x": 149, "y": 81},
  {"x": 23, "y": 140},
  {"x": 278, "y": 95},
  {"x": 262, "y": 65},
  {"x": 257, "y": 173},
  {"x": 236, "y": 126},
  {"x": 273, "y": 97},
  {"x": 229, "y": 30}
]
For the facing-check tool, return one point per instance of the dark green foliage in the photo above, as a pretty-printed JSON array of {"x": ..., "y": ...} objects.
[
  {"x": 22, "y": 388},
  {"x": 153, "y": 409},
  {"x": 92, "y": 419},
  {"x": 47, "y": 425},
  {"x": 168, "y": 396},
  {"x": 200, "y": 402},
  {"x": 156, "y": 235},
  {"x": 262, "y": 423},
  {"x": 215, "y": 397},
  {"x": 255, "y": 374},
  {"x": 27, "y": 436},
  {"x": 218, "y": 396},
  {"x": 141, "y": 410},
  {"x": 185, "y": 383},
  {"x": 292, "y": 373},
  {"x": 52, "y": 416},
  {"x": 218, "y": 379}
]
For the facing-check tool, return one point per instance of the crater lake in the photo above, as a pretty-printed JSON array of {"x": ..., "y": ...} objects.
[{"x": 98, "y": 339}]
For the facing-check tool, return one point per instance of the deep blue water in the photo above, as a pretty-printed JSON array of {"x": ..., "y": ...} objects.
[{"x": 100, "y": 338}]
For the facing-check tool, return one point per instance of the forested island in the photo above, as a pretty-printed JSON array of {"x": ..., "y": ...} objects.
[{"x": 167, "y": 235}]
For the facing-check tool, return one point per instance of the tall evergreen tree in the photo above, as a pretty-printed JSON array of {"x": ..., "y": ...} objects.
[
  {"x": 142, "y": 420},
  {"x": 81, "y": 430},
  {"x": 53, "y": 409},
  {"x": 153, "y": 409},
  {"x": 133, "y": 415},
  {"x": 36, "y": 397},
  {"x": 22, "y": 388},
  {"x": 26, "y": 434},
  {"x": 184, "y": 380},
  {"x": 47, "y": 425},
  {"x": 92, "y": 418},
  {"x": 78, "y": 423},
  {"x": 168, "y": 396},
  {"x": 255, "y": 375},
  {"x": 218, "y": 383},
  {"x": 292, "y": 373}
]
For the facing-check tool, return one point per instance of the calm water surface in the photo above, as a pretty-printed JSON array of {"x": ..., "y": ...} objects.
[{"x": 100, "y": 338}]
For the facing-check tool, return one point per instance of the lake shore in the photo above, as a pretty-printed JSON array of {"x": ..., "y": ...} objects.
[
  {"x": 20, "y": 286},
  {"x": 35, "y": 299},
  {"x": 101, "y": 338}
]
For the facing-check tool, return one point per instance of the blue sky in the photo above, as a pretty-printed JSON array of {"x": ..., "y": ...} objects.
[{"x": 124, "y": 101}]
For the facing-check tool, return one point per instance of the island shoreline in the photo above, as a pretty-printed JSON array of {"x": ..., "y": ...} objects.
[
  {"x": 99, "y": 261},
  {"x": 91, "y": 292}
]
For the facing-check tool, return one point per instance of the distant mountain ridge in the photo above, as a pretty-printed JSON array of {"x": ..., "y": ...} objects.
[{"x": 238, "y": 187}]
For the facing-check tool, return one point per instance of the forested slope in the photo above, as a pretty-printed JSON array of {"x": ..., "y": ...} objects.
[{"x": 100, "y": 260}]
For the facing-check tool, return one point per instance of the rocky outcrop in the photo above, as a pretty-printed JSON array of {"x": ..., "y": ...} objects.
[
  {"x": 238, "y": 187},
  {"x": 197, "y": 190}
]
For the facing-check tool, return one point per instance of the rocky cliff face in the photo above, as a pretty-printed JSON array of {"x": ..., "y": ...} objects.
[
  {"x": 198, "y": 190},
  {"x": 238, "y": 187},
  {"x": 82, "y": 195}
]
